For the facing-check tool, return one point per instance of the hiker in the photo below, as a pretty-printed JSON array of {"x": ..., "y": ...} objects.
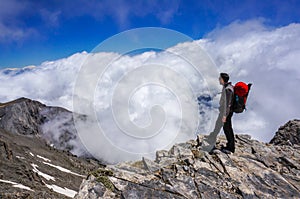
[{"x": 224, "y": 118}]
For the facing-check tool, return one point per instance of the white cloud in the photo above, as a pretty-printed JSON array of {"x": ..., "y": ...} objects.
[
  {"x": 51, "y": 18},
  {"x": 160, "y": 89},
  {"x": 52, "y": 82},
  {"x": 121, "y": 11},
  {"x": 250, "y": 52},
  {"x": 8, "y": 33},
  {"x": 157, "y": 90}
]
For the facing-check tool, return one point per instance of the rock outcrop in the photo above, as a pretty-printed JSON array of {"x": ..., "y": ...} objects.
[
  {"x": 288, "y": 134},
  {"x": 255, "y": 170}
]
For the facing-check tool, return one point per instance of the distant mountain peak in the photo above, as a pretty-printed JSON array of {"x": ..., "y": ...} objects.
[{"x": 29, "y": 117}]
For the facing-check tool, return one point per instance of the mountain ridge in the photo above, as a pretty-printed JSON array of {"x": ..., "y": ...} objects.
[{"x": 255, "y": 170}]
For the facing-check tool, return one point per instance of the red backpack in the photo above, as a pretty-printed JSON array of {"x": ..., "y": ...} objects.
[{"x": 241, "y": 91}]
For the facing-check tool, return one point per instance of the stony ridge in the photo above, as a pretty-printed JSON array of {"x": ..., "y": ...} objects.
[{"x": 255, "y": 170}]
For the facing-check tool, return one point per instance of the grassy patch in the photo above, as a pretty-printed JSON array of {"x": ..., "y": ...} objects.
[
  {"x": 102, "y": 176},
  {"x": 106, "y": 182}
]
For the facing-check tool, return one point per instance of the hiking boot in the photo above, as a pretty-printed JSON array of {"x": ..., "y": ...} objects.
[
  {"x": 213, "y": 150},
  {"x": 227, "y": 150}
]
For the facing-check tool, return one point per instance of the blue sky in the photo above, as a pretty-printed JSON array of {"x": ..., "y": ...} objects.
[{"x": 33, "y": 31}]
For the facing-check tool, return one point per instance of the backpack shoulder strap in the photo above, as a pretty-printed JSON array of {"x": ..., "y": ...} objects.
[{"x": 229, "y": 87}]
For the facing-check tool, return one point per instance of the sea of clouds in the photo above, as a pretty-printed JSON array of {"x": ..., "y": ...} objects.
[{"x": 249, "y": 51}]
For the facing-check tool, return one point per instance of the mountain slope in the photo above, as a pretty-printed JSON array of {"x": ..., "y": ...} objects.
[
  {"x": 32, "y": 164},
  {"x": 256, "y": 170},
  {"x": 29, "y": 161}
]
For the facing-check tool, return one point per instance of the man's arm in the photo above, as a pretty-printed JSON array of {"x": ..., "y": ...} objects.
[{"x": 228, "y": 103}]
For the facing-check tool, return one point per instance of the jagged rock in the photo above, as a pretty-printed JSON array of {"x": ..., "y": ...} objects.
[
  {"x": 255, "y": 170},
  {"x": 151, "y": 165},
  {"x": 289, "y": 134},
  {"x": 181, "y": 151},
  {"x": 92, "y": 188},
  {"x": 164, "y": 158}
]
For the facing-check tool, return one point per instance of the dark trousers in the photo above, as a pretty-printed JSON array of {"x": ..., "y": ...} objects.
[{"x": 229, "y": 133}]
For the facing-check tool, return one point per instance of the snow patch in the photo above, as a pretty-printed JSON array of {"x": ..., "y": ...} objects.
[
  {"x": 17, "y": 185},
  {"x": 65, "y": 191},
  {"x": 63, "y": 169},
  {"x": 44, "y": 175},
  {"x": 45, "y": 159},
  {"x": 19, "y": 157},
  {"x": 31, "y": 154}
]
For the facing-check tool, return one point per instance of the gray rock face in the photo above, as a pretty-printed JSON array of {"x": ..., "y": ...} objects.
[
  {"x": 289, "y": 134},
  {"x": 255, "y": 170},
  {"x": 22, "y": 116},
  {"x": 54, "y": 124}
]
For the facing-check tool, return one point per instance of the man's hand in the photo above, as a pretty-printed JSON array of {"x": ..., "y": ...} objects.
[{"x": 224, "y": 119}]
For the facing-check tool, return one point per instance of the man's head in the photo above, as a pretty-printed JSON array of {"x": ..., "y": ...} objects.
[{"x": 224, "y": 78}]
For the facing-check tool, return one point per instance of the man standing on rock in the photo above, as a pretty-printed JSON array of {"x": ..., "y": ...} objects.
[{"x": 224, "y": 118}]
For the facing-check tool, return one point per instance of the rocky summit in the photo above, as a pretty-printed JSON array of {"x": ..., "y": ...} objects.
[{"x": 255, "y": 170}]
